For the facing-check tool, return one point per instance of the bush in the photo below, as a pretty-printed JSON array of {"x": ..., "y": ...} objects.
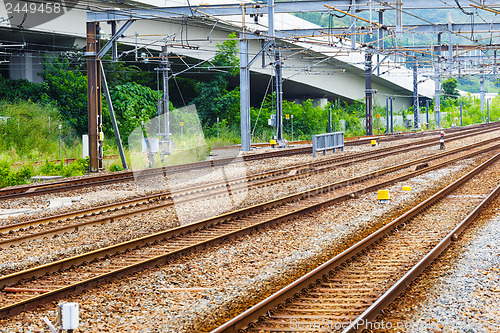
[
  {"x": 9, "y": 177},
  {"x": 115, "y": 167},
  {"x": 77, "y": 168}
]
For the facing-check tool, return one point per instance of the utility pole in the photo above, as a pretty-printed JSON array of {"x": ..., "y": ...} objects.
[
  {"x": 399, "y": 18},
  {"x": 387, "y": 114},
  {"x": 392, "y": 115},
  {"x": 352, "y": 28},
  {"x": 277, "y": 72},
  {"x": 450, "y": 48},
  {"x": 244, "y": 94},
  {"x": 369, "y": 93},
  {"x": 416, "y": 110},
  {"x": 427, "y": 113},
  {"x": 380, "y": 38},
  {"x": 482, "y": 91},
  {"x": 164, "y": 112},
  {"x": 279, "y": 97},
  {"x": 487, "y": 111},
  {"x": 461, "y": 114},
  {"x": 437, "y": 91},
  {"x": 94, "y": 97},
  {"x": 329, "y": 120}
]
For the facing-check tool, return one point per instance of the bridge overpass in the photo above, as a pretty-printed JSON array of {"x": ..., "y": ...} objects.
[{"x": 311, "y": 70}]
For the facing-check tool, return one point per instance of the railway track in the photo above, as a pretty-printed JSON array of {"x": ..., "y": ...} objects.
[
  {"x": 27, "y": 289},
  {"x": 124, "y": 176},
  {"x": 348, "y": 292},
  {"x": 13, "y": 234}
]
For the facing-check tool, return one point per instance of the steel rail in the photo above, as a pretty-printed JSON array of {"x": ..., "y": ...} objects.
[
  {"x": 259, "y": 311},
  {"x": 123, "y": 176},
  {"x": 400, "y": 286},
  {"x": 171, "y": 235},
  {"x": 157, "y": 199},
  {"x": 299, "y": 171}
]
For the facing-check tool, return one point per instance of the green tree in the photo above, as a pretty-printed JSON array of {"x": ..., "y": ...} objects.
[
  {"x": 132, "y": 104},
  {"x": 66, "y": 83},
  {"x": 214, "y": 99},
  {"x": 450, "y": 89}
]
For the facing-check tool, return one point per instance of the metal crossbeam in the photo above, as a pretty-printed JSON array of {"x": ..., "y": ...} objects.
[
  {"x": 417, "y": 29},
  {"x": 253, "y": 8}
]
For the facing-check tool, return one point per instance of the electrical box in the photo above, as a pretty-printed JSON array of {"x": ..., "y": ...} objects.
[
  {"x": 68, "y": 315},
  {"x": 150, "y": 145},
  {"x": 85, "y": 143}
]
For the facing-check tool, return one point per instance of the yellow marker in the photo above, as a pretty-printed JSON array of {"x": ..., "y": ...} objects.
[
  {"x": 182, "y": 123},
  {"x": 383, "y": 195},
  {"x": 287, "y": 116},
  {"x": 273, "y": 142},
  {"x": 374, "y": 142},
  {"x": 378, "y": 115},
  {"x": 406, "y": 188}
]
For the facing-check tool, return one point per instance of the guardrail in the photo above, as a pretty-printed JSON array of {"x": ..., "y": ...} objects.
[{"x": 324, "y": 142}]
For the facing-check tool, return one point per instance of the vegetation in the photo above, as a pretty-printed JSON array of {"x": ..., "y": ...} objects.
[
  {"x": 449, "y": 87},
  {"x": 32, "y": 113}
]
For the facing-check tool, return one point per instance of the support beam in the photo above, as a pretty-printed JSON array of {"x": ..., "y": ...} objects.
[
  {"x": 482, "y": 92},
  {"x": 437, "y": 91},
  {"x": 113, "y": 119},
  {"x": 399, "y": 18},
  {"x": 244, "y": 95},
  {"x": 461, "y": 114},
  {"x": 93, "y": 94},
  {"x": 166, "y": 144},
  {"x": 369, "y": 93},
  {"x": 450, "y": 49},
  {"x": 416, "y": 109},
  {"x": 427, "y": 113},
  {"x": 281, "y": 7},
  {"x": 387, "y": 126},
  {"x": 392, "y": 115},
  {"x": 279, "y": 96},
  {"x": 352, "y": 29}
]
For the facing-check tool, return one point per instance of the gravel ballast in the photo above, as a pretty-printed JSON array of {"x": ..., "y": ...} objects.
[{"x": 236, "y": 274}]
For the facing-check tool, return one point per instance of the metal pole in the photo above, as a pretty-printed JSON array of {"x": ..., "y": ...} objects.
[
  {"x": 329, "y": 120},
  {"x": 114, "y": 49},
  {"x": 482, "y": 93},
  {"x": 380, "y": 38},
  {"x": 461, "y": 114},
  {"x": 166, "y": 105},
  {"x": 270, "y": 19},
  {"x": 217, "y": 128},
  {"x": 93, "y": 91},
  {"x": 416, "y": 110},
  {"x": 292, "y": 125},
  {"x": 60, "y": 143},
  {"x": 387, "y": 114},
  {"x": 437, "y": 92},
  {"x": 368, "y": 93},
  {"x": 279, "y": 97},
  {"x": 113, "y": 119},
  {"x": 244, "y": 95},
  {"x": 450, "y": 48},
  {"x": 427, "y": 112},
  {"x": 352, "y": 29},
  {"x": 399, "y": 18},
  {"x": 392, "y": 116},
  {"x": 488, "y": 111}
]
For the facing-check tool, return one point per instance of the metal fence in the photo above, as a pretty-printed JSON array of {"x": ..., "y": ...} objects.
[{"x": 324, "y": 142}]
